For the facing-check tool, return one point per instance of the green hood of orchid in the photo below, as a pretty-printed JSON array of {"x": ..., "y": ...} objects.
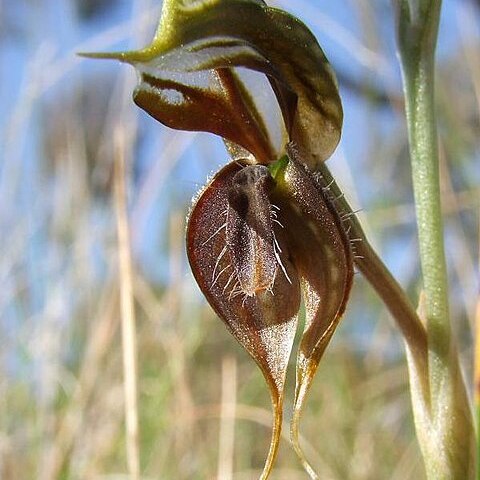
[{"x": 188, "y": 70}]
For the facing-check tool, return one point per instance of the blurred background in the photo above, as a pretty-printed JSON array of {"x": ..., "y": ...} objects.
[{"x": 204, "y": 409}]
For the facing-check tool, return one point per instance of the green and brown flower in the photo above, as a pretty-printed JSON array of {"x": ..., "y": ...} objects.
[{"x": 266, "y": 228}]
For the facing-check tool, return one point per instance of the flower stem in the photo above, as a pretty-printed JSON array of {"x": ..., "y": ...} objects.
[
  {"x": 418, "y": 74},
  {"x": 445, "y": 427},
  {"x": 476, "y": 384},
  {"x": 378, "y": 275}
]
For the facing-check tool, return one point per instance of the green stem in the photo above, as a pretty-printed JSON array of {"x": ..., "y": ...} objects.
[
  {"x": 477, "y": 409},
  {"x": 476, "y": 386},
  {"x": 445, "y": 427},
  {"x": 418, "y": 74}
]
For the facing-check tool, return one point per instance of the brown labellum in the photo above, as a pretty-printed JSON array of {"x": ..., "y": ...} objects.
[
  {"x": 252, "y": 240},
  {"x": 232, "y": 249}
]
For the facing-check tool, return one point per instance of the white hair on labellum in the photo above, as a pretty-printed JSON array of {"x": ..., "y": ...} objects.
[
  {"x": 222, "y": 253},
  {"x": 215, "y": 233},
  {"x": 219, "y": 275}
]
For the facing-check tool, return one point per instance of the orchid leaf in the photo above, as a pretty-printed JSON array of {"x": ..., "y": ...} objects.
[
  {"x": 234, "y": 256},
  {"x": 209, "y": 35}
]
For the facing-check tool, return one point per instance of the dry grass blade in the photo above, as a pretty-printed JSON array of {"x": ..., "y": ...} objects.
[
  {"x": 226, "y": 436},
  {"x": 476, "y": 374},
  {"x": 129, "y": 345}
]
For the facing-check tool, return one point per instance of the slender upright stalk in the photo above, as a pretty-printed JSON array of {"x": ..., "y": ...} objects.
[
  {"x": 476, "y": 383},
  {"x": 444, "y": 427},
  {"x": 417, "y": 47}
]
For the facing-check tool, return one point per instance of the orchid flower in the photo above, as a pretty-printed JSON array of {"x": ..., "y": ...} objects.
[{"x": 266, "y": 228}]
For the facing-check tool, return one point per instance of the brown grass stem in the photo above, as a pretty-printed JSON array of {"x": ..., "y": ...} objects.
[
  {"x": 226, "y": 437},
  {"x": 129, "y": 345}
]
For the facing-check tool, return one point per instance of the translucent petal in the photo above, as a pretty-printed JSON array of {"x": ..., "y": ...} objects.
[
  {"x": 321, "y": 253},
  {"x": 220, "y": 105},
  {"x": 203, "y": 35}
]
